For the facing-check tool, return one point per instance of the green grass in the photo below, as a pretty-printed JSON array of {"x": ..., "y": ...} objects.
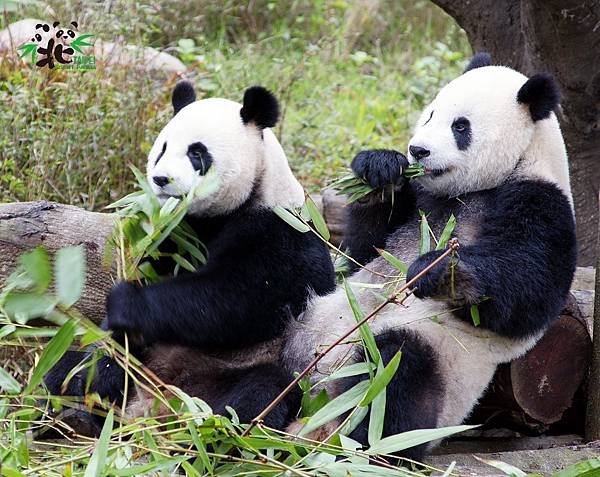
[{"x": 348, "y": 78}]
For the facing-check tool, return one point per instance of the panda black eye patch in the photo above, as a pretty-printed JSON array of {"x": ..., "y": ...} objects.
[
  {"x": 162, "y": 152},
  {"x": 461, "y": 129},
  {"x": 200, "y": 158}
]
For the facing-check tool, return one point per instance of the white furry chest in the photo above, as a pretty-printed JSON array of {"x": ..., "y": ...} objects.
[{"x": 467, "y": 355}]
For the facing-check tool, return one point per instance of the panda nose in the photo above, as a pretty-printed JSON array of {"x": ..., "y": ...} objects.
[
  {"x": 160, "y": 181},
  {"x": 418, "y": 152}
]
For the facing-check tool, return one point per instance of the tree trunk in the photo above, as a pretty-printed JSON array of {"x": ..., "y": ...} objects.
[
  {"x": 561, "y": 37},
  {"x": 592, "y": 425}
]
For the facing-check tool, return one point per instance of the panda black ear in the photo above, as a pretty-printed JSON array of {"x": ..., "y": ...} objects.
[
  {"x": 183, "y": 94},
  {"x": 260, "y": 107},
  {"x": 541, "y": 94},
  {"x": 479, "y": 60}
]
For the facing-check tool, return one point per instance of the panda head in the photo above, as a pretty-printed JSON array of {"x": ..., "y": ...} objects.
[
  {"x": 486, "y": 126},
  {"x": 232, "y": 139}
]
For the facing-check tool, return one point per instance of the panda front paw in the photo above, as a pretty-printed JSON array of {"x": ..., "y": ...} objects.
[
  {"x": 380, "y": 167},
  {"x": 123, "y": 309},
  {"x": 434, "y": 282}
]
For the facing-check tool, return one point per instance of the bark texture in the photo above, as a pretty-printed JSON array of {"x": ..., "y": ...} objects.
[
  {"x": 26, "y": 225},
  {"x": 561, "y": 37},
  {"x": 592, "y": 425}
]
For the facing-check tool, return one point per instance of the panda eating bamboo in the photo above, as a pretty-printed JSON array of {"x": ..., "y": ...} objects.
[
  {"x": 495, "y": 158},
  {"x": 215, "y": 332}
]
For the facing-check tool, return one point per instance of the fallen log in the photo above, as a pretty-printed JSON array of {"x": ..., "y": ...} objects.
[
  {"x": 534, "y": 393},
  {"x": 26, "y": 225}
]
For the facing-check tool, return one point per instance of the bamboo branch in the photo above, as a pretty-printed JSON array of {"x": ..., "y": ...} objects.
[{"x": 452, "y": 247}]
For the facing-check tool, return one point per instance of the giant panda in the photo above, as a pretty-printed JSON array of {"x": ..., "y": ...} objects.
[
  {"x": 494, "y": 157},
  {"x": 207, "y": 330}
]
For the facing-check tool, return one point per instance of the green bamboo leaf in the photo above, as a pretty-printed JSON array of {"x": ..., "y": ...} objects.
[
  {"x": 377, "y": 412},
  {"x": 93, "y": 335},
  {"x": 357, "y": 196},
  {"x": 350, "y": 370},
  {"x": 36, "y": 264},
  {"x": 317, "y": 218},
  {"x": 291, "y": 219},
  {"x": 125, "y": 201},
  {"x": 504, "y": 467},
  {"x": 183, "y": 263},
  {"x": 336, "y": 407},
  {"x": 52, "y": 353},
  {"x": 475, "y": 315},
  {"x": 406, "y": 440},
  {"x": 168, "y": 207},
  {"x": 9, "y": 384},
  {"x": 23, "y": 307},
  {"x": 365, "y": 332},
  {"x": 145, "y": 186},
  {"x": 382, "y": 378},
  {"x": 357, "y": 416},
  {"x": 209, "y": 184},
  {"x": 37, "y": 332},
  {"x": 201, "y": 448},
  {"x": 6, "y": 330},
  {"x": 414, "y": 170},
  {"x": 446, "y": 233},
  {"x": 190, "y": 470},
  {"x": 154, "y": 244},
  {"x": 69, "y": 272},
  {"x": 148, "y": 272},
  {"x": 311, "y": 405},
  {"x": 154, "y": 467},
  {"x": 587, "y": 468},
  {"x": 8, "y": 472},
  {"x": 425, "y": 241},
  {"x": 97, "y": 464},
  {"x": 189, "y": 247},
  {"x": 396, "y": 262}
]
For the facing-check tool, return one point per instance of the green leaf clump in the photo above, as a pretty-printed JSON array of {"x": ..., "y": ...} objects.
[
  {"x": 143, "y": 225},
  {"x": 357, "y": 187}
]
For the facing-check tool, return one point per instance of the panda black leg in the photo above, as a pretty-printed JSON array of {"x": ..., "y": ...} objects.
[
  {"x": 251, "y": 392},
  {"x": 108, "y": 382},
  {"x": 55, "y": 377},
  {"x": 415, "y": 393}
]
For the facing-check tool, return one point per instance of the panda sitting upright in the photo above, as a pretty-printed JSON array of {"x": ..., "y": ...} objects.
[
  {"x": 259, "y": 271},
  {"x": 495, "y": 158}
]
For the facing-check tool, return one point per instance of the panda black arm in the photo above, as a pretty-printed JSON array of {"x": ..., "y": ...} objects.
[
  {"x": 258, "y": 275},
  {"x": 371, "y": 220},
  {"x": 523, "y": 261}
]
